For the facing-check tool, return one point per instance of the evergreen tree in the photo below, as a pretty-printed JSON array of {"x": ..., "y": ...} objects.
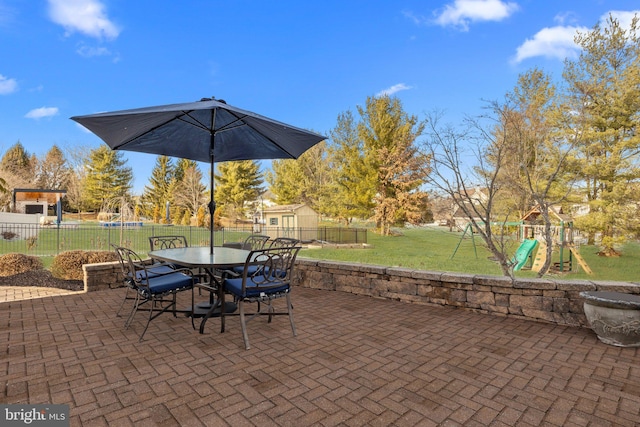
[
  {"x": 17, "y": 164},
  {"x": 285, "y": 178},
  {"x": 17, "y": 169},
  {"x": 158, "y": 192},
  {"x": 389, "y": 141},
  {"x": 237, "y": 182},
  {"x": 316, "y": 182},
  {"x": 604, "y": 90},
  {"x": 108, "y": 178},
  {"x": 302, "y": 180},
  {"x": 53, "y": 171},
  {"x": 353, "y": 179}
]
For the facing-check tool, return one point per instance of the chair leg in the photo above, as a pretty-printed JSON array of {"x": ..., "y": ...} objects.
[
  {"x": 290, "y": 311},
  {"x": 193, "y": 307},
  {"x": 134, "y": 309},
  {"x": 221, "y": 299},
  {"x": 270, "y": 310},
  {"x": 153, "y": 305},
  {"x": 126, "y": 297},
  {"x": 243, "y": 325},
  {"x": 175, "y": 295}
]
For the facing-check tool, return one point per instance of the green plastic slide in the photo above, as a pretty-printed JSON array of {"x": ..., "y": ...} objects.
[{"x": 523, "y": 252}]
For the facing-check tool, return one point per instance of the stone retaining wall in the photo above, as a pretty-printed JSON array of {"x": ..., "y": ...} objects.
[
  {"x": 101, "y": 276},
  {"x": 556, "y": 301}
]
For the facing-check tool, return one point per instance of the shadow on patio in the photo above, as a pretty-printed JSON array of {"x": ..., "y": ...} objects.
[{"x": 355, "y": 361}]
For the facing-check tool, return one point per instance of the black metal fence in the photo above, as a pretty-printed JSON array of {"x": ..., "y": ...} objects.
[
  {"x": 40, "y": 240},
  {"x": 342, "y": 235}
]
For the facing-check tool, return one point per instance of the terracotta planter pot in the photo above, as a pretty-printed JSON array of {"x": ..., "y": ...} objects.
[{"x": 614, "y": 317}]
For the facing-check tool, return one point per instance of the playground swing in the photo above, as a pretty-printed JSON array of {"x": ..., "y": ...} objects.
[{"x": 468, "y": 228}]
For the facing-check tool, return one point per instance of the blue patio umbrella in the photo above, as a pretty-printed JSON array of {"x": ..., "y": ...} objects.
[{"x": 208, "y": 130}]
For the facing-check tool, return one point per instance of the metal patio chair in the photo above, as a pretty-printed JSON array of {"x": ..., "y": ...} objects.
[
  {"x": 284, "y": 242},
  {"x": 125, "y": 277},
  {"x": 266, "y": 276},
  {"x": 155, "y": 292},
  {"x": 169, "y": 242},
  {"x": 251, "y": 243},
  {"x": 255, "y": 241}
]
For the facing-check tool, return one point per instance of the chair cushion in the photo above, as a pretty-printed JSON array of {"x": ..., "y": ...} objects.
[
  {"x": 157, "y": 270},
  {"x": 234, "y": 287},
  {"x": 154, "y": 270},
  {"x": 169, "y": 282},
  {"x": 250, "y": 269}
]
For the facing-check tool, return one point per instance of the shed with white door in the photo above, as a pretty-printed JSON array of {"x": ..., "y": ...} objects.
[{"x": 298, "y": 221}]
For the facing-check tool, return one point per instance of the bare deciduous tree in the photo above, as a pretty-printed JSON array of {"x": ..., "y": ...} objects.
[{"x": 452, "y": 152}]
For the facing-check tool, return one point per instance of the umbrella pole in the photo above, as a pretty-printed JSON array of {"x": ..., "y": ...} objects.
[
  {"x": 212, "y": 209},
  {"x": 212, "y": 202}
]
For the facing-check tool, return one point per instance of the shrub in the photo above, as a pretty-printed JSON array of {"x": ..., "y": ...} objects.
[
  {"x": 68, "y": 265},
  {"x": 15, "y": 263},
  {"x": 8, "y": 235}
]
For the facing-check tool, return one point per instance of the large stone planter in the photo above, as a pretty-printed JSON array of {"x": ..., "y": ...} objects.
[{"x": 614, "y": 317}]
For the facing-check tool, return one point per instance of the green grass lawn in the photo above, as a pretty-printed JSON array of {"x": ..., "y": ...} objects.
[
  {"x": 419, "y": 248},
  {"x": 432, "y": 249}
]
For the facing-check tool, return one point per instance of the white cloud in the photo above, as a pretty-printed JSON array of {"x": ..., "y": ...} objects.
[
  {"x": 565, "y": 18},
  {"x": 558, "y": 42},
  {"x": 393, "y": 89},
  {"x": 42, "y": 112},
  {"x": 7, "y": 85},
  {"x": 88, "y": 51},
  {"x": 462, "y": 12},
  {"x": 552, "y": 42},
  {"x": 85, "y": 16}
]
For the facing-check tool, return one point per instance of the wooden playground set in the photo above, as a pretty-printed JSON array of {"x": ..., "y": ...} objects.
[
  {"x": 564, "y": 245},
  {"x": 532, "y": 252}
]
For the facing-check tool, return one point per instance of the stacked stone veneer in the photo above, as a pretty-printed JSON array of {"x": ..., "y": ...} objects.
[
  {"x": 556, "y": 301},
  {"x": 101, "y": 276}
]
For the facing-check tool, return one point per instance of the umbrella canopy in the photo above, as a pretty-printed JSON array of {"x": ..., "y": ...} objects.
[{"x": 208, "y": 130}]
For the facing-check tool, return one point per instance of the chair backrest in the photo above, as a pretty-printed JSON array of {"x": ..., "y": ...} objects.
[
  {"x": 255, "y": 241},
  {"x": 121, "y": 254},
  {"x": 269, "y": 268},
  {"x": 284, "y": 242},
  {"x": 133, "y": 267},
  {"x": 167, "y": 242}
]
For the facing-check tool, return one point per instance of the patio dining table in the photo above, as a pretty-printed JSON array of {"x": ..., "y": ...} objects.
[{"x": 223, "y": 258}]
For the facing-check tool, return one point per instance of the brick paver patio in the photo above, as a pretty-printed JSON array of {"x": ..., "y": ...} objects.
[
  {"x": 356, "y": 361},
  {"x": 15, "y": 293}
]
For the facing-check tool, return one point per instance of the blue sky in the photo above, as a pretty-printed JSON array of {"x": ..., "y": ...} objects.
[{"x": 299, "y": 62}]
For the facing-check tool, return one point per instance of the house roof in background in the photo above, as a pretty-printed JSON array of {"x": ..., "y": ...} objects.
[{"x": 284, "y": 208}]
